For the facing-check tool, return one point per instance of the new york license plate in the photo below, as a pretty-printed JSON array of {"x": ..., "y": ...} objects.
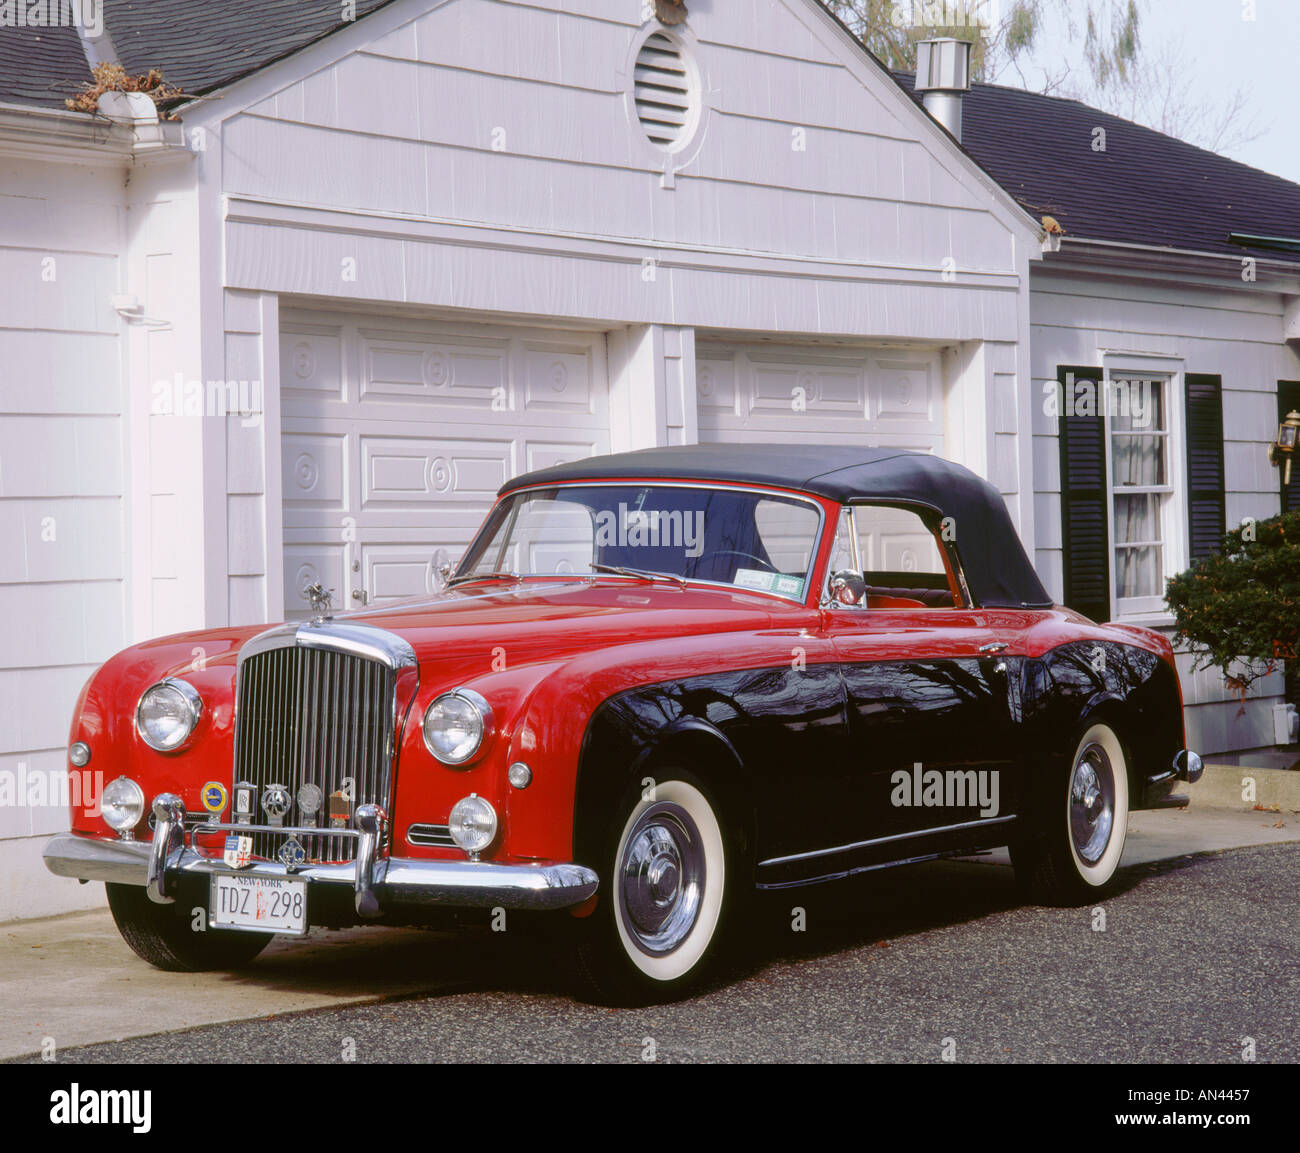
[{"x": 261, "y": 904}]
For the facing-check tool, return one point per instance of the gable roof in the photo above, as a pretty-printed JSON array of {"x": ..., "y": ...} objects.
[{"x": 1145, "y": 188}]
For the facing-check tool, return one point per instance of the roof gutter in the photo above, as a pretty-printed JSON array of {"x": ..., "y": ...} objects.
[
  {"x": 1159, "y": 263},
  {"x": 55, "y": 134}
]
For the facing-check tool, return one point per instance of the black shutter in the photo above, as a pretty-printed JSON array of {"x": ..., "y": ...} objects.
[
  {"x": 1205, "y": 501},
  {"x": 1288, "y": 400},
  {"x": 1085, "y": 502}
]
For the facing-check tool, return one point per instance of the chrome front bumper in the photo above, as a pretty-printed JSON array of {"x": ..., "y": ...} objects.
[{"x": 378, "y": 882}]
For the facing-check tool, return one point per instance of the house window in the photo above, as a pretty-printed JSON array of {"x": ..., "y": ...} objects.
[
  {"x": 1141, "y": 484},
  {"x": 1143, "y": 495}
]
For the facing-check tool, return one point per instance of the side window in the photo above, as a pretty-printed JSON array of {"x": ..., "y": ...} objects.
[
  {"x": 899, "y": 561},
  {"x": 895, "y": 542}
]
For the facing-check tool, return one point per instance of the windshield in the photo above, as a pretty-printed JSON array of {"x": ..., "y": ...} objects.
[{"x": 751, "y": 540}]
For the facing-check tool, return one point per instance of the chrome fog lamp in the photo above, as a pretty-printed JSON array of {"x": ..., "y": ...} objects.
[
  {"x": 122, "y": 805},
  {"x": 455, "y": 726},
  {"x": 167, "y": 714},
  {"x": 472, "y": 824}
]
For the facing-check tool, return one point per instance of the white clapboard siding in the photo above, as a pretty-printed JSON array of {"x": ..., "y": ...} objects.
[
  {"x": 1236, "y": 335},
  {"x": 519, "y": 117},
  {"x": 63, "y": 560}
]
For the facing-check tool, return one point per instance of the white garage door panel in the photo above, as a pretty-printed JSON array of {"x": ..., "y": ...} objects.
[
  {"x": 416, "y": 471},
  {"x": 397, "y": 435},
  {"x": 315, "y": 470},
  {"x": 764, "y": 393}
]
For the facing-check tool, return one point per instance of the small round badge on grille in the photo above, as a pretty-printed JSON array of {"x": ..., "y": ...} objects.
[
  {"x": 310, "y": 799},
  {"x": 276, "y": 802}
]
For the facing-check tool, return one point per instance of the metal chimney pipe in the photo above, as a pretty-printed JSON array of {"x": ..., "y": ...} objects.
[{"x": 943, "y": 78}]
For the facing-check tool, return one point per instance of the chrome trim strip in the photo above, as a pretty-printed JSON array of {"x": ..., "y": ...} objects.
[
  {"x": 98, "y": 859},
  {"x": 349, "y": 637},
  {"x": 986, "y": 822},
  {"x": 397, "y": 881}
]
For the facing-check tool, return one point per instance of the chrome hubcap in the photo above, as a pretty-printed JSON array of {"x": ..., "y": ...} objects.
[
  {"x": 1092, "y": 803},
  {"x": 661, "y": 879}
]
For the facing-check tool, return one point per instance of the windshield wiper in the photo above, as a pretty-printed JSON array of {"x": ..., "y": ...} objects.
[
  {"x": 482, "y": 576},
  {"x": 644, "y": 574}
]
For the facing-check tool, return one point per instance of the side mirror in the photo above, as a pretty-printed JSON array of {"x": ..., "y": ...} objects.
[{"x": 848, "y": 587}]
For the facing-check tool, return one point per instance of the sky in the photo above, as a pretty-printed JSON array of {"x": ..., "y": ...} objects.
[{"x": 1231, "y": 44}]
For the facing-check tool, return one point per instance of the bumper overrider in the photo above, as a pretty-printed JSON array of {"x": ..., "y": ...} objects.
[{"x": 378, "y": 881}]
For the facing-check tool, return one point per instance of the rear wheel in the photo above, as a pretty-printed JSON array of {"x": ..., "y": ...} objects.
[
  {"x": 1075, "y": 857},
  {"x": 666, "y": 888},
  {"x": 166, "y": 937}
]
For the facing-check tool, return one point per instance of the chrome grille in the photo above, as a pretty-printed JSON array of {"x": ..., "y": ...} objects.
[
  {"x": 314, "y": 716},
  {"x": 434, "y": 835}
]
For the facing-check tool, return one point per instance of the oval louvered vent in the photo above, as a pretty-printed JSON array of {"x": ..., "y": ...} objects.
[{"x": 665, "y": 90}]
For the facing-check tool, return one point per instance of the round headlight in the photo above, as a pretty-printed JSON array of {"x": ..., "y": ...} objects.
[
  {"x": 473, "y": 823},
  {"x": 122, "y": 804},
  {"x": 167, "y": 714},
  {"x": 455, "y": 725}
]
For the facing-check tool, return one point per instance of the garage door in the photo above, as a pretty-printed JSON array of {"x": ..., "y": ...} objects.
[
  {"x": 396, "y": 435},
  {"x": 822, "y": 395}
]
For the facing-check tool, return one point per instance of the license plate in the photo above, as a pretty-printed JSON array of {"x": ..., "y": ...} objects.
[{"x": 260, "y": 904}]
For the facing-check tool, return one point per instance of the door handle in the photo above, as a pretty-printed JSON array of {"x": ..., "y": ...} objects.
[
  {"x": 361, "y": 595},
  {"x": 992, "y": 647}
]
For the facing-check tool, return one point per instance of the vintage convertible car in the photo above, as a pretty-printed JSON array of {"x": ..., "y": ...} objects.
[{"x": 656, "y": 683}]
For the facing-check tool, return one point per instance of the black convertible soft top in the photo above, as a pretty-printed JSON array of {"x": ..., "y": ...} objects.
[{"x": 998, "y": 573}]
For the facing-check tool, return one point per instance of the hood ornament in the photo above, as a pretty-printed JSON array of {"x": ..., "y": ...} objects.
[{"x": 319, "y": 598}]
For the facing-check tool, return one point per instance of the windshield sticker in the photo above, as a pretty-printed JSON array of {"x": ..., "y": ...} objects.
[{"x": 769, "y": 582}]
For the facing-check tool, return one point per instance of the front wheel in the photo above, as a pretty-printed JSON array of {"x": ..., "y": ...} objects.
[
  {"x": 1075, "y": 857},
  {"x": 169, "y": 937},
  {"x": 665, "y": 891}
]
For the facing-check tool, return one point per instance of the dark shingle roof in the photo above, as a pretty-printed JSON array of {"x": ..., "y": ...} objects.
[
  {"x": 41, "y": 66},
  {"x": 198, "y": 45},
  {"x": 1145, "y": 188}
]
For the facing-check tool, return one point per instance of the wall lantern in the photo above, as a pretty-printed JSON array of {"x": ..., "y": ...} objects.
[{"x": 1283, "y": 449}]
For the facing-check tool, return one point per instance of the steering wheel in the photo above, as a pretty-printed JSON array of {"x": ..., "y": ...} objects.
[{"x": 737, "y": 552}]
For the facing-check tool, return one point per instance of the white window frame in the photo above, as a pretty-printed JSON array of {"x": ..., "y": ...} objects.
[{"x": 1173, "y": 509}]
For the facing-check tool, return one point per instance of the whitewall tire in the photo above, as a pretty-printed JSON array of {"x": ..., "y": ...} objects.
[
  {"x": 1074, "y": 856},
  {"x": 664, "y": 895}
]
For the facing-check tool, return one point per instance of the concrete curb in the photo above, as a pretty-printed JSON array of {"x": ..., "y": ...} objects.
[{"x": 1222, "y": 787}]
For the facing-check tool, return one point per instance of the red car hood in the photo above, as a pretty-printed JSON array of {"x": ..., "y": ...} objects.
[{"x": 550, "y": 619}]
